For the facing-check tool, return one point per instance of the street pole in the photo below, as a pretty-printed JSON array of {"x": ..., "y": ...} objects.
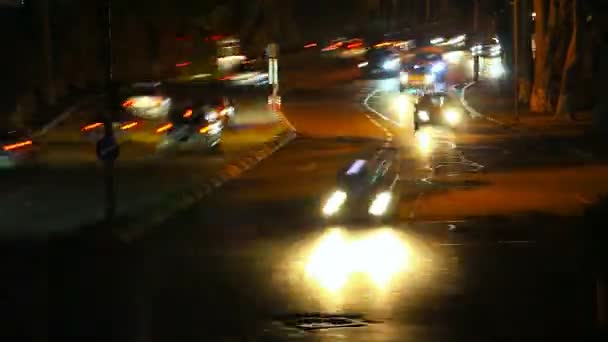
[
  {"x": 108, "y": 165},
  {"x": 47, "y": 49},
  {"x": 515, "y": 59}
]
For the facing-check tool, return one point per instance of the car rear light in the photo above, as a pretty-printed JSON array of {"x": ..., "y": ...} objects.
[
  {"x": 129, "y": 125},
  {"x": 18, "y": 145},
  {"x": 164, "y": 128},
  {"x": 144, "y": 102},
  {"x": 128, "y": 103},
  {"x": 91, "y": 126},
  {"x": 188, "y": 113}
]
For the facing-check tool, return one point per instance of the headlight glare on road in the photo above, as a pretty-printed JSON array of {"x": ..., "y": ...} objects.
[
  {"x": 429, "y": 79},
  {"x": 452, "y": 116},
  {"x": 424, "y": 142},
  {"x": 334, "y": 203},
  {"x": 423, "y": 115},
  {"x": 380, "y": 204}
]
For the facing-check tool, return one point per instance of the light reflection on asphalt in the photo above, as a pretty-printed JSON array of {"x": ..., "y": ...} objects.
[{"x": 347, "y": 268}]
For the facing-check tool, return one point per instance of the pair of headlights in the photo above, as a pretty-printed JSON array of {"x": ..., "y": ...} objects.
[
  {"x": 337, "y": 199},
  {"x": 451, "y": 115}
]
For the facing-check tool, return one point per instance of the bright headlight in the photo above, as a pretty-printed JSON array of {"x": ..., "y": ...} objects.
[
  {"x": 452, "y": 116},
  {"x": 334, "y": 203},
  {"x": 391, "y": 64},
  {"x": 423, "y": 115},
  {"x": 429, "y": 78},
  {"x": 380, "y": 204},
  {"x": 403, "y": 77},
  {"x": 362, "y": 64},
  {"x": 211, "y": 115}
]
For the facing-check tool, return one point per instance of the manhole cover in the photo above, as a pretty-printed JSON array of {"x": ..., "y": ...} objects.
[{"x": 323, "y": 321}]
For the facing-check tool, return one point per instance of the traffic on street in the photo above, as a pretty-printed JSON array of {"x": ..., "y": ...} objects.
[{"x": 255, "y": 175}]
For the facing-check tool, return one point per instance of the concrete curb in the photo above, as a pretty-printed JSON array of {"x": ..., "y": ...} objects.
[
  {"x": 583, "y": 155},
  {"x": 230, "y": 171},
  {"x": 64, "y": 116}
]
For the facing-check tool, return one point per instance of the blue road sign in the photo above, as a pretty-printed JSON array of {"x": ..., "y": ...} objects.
[{"x": 107, "y": 149}]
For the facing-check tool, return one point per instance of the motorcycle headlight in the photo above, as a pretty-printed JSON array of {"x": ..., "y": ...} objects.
[
  {"x": 429, "y": 78},
  {"x": 452, "y": 116},
  {"x": 334, "y": 203},
  {"x": 211, "y": 115},
  {"x": 423, "y": 115},
  {"x": 403, "y": 77}
]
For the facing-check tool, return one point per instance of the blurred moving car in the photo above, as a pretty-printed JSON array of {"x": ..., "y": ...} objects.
[
  {"x": 345, "y": 48},
  {"x": 488, "y": 48},
  {"x": 381, "y": 62},
  {"x": 424, "y": 73},
  {"x": 147, "y": 100},
  {"x": 197, "y": 127},
  {"x": 128, "y": 124},
  {"x": 367, "y": 188},
  {"x": 438, "y": 109},
  {"x": 17, "y": 148}
]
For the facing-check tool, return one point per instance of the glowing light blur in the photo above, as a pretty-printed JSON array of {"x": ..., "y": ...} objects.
[
  {"x": 429, "y": 79},
  {"x": 362, "y": 64},
  {"x": 424, "y": 142},
  {"x": 310, "y": 45},
  {"x": 356, "y": 167},
  {"x": 144, "y": 101},
  {"x": 403, "y": 77},
  {"x": 391, "y": 64},
  {"x": 438, "y": 67},
  {"x": 17, "y": 145},
  {"x": 380, "y": 255},
  {"x": 423, "y": 115},
  {"x": 453, "y": 57},
  {"x": 91, "y": 126},
  {"x": 129, "y": 125},
  {"x": 334, "y": 203},
  {"x": 437, "y": 40},
  {"x": 380, "y": 204},
  {"x": 164, "y": 128},
  {"x": 452, "y": 116},
  {"x": 496, "y": 70}
]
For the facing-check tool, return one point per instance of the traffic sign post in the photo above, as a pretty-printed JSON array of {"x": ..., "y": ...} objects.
[
  {"x": 272, "y": 51},
  {"x": 108, "y": 151}
]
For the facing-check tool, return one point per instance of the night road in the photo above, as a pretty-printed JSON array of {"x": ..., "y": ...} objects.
[{"x": 255, "y": 259}]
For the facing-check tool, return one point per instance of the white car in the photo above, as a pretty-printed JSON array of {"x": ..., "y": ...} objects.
[{"x": 148, "y": 100}]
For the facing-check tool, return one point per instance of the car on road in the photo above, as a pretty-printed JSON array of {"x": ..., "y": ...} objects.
[
  {"x": 147, "y": 100},
  {"x": 197, "y": 127},
  {"x": 488, "y": 48},
  {"x": 17, "y": 148},
  {"x": 381, "y": 62},
  {"x": 438, "y": 109},
  {"x": 366, "y": 188},
  {"x": 424, "y": 73}
]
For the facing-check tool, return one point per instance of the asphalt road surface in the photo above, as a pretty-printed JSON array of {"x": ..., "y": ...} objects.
[
  {"x": 254, "y": 261},
  {"x": 64, "y": 189}
]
